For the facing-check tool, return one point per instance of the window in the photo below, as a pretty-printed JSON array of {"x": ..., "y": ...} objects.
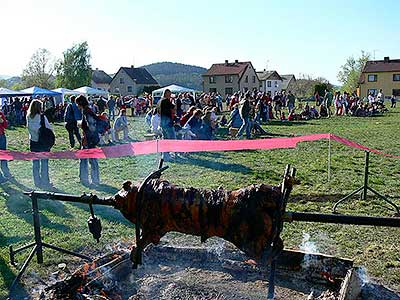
[
  {"x": 372, "y": 78},
  {"x": 276, "y": 84},
  {"x": 246, "y": 79},
  {"x": 268, "y": 83},
  {"x": 228, "y": 91},
  {"x": 396, "y": 92},
  {"x": 121, "y": 80},
  {"x": 396, "y": 77},
  {"x": 212, "y": 79},
  {"x": 254, "y": 79},
  {"x": 228, "y": 78},
  {"x": 374, "y": 92},
  {"x": 129, "y": 89},
  {"x": 213, "y": 90}
]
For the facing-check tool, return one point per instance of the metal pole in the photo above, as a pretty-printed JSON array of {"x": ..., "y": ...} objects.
[
  {"x": 341, "y": 219},
  {"x": 364, "y": 195},
  {"x": 329, "y": 158},
  {"x": 271, "y": 281},
  {"x": 23, "y": 268},
  {"x": 36, "y": 227}
]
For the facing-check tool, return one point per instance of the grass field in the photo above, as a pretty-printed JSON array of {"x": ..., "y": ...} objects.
[{"x": 64, "y": 224}]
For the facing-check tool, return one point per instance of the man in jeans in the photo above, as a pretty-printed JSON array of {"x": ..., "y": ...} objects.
[
  {"x": 71, "y": 117},
  {"x": 111, "y": 107},
  {"x": 166, "y": 110},
  {"x": 291, "y": 99},
  {"x": 244, "y": 111},
  {"x": 90, "y": 140},
  {"x": 5, "y": 172}
]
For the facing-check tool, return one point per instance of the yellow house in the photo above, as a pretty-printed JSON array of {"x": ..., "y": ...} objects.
[{"x": 380, "y": 74}]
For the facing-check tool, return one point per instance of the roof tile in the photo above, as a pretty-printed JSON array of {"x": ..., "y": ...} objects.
[
  {"x": 393, "y": 65},
  {"x": 236, "y": 68}
]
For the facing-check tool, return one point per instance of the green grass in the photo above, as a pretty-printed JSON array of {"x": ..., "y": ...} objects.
[{"x": 64, "y": 224}]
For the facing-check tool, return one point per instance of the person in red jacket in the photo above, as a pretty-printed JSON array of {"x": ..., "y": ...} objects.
[{"x": 5, "y": 172}]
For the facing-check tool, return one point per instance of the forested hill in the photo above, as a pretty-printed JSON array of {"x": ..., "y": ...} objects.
[{"x": 167, "y": 73}]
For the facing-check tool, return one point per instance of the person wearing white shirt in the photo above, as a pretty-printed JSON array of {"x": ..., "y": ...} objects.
[
  {"x": 40, "y": 168},
  {"x": 380, "y": 97},
  {"x": 155, "y": 123}
]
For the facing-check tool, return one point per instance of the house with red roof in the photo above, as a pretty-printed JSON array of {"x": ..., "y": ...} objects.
[
  {"x": 380, "y": 74},
  {"x": 230, "y": 77}
]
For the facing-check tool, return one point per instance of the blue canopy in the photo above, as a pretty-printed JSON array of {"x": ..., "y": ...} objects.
[{"x": 37, "y": 91}]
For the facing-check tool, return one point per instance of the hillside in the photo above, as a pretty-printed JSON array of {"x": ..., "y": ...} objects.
[
  {"x": 10, "y": 81},
  {"x": 167, "y": 73}
]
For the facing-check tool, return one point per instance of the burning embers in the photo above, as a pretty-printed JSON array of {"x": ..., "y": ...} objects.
[{"x": 245, "y": 217}]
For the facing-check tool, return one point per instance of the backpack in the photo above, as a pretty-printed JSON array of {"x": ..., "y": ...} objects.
[
  {"x": 47, "y": 138},
  {"x": 91, "y": 133},
  {"x": 102, "y": 126}
]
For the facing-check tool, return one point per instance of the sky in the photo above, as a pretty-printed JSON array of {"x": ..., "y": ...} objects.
[{"x": 293, "y": 37}]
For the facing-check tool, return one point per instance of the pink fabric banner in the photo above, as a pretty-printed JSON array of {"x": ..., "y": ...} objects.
[
  {"x": 352, "y": 144},
  {"x": 155, "y": 146}
]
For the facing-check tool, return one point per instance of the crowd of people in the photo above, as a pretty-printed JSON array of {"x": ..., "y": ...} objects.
[
  {"x": 92, "y": 122},
  {"x": 86, "y": 122}
]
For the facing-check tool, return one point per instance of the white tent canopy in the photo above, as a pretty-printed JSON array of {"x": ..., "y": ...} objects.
[
  {"x": 176, "y": 89},
  {"x": 66, "y": 91},
  {"x": 10, "y": 93},
  {"x": 87, "y": 90}
]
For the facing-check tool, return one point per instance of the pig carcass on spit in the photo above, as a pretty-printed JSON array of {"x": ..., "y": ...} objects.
[{"x": 246, "y": 217}]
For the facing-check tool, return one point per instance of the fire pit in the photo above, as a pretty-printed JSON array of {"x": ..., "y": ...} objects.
[{"x": 215, "y": 270}]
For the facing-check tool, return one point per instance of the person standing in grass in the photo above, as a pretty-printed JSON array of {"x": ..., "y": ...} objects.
[
  {"x": 328, "y": 101},
  {"x": 393, "y": 100},
  {"x": 291, "y": 99},
  {"x": 90, "y": 140},
  {"x": 111, "y": 107},
  {"x": 40, "y": 168},
  {"x": 5, "y": 172},
  {"x": 166, "y": 110},
  {"x": 244, "y": 111},
  {"x": 71, "y": 117}
]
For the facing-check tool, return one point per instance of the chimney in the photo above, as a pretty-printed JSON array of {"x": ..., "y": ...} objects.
[
  {"x": 226, "y": 62},
  {"x": 386, "y": 59},
  {"x": 97, "y": 69},
  {"x": 236, "y": 61},
  {"x": 132, "y": 66}
]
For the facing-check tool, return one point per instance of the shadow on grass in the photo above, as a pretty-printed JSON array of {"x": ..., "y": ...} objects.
[
  {"x": 8, "y": 276},
  {"x": 211, "y": 164},
  {"x": 10, "y": 240},
  {"x": 288, "y": 123},
  {"x": 20, "y": 205},
  {"x": 106, "y": 189}
]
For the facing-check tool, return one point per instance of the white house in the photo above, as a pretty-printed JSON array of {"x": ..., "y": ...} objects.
[{"x": 270, "y": 81}]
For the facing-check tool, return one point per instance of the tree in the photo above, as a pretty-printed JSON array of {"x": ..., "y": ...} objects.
[
  {"x": 39, "y": 70},
  {"x": 74, "y": 69},
  {"x": 3, "y": 83},
  {"x": 306, "y": 86},
  {"x": 350, "y": 72}
]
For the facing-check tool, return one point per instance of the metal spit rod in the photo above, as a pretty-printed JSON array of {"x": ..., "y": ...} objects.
[
  {"x": 341, "y": 219},
  {"x": 85, "y": 198}
]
